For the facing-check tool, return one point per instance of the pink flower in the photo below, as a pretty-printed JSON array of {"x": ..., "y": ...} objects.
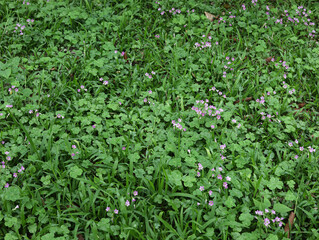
[
  {"x": 127, "y": 203},
  {"x": 93, "y": 126},
  {"x": 266, "y": 222},
  {"x": 116, "y": 211},
  {"x": 200, "y": 166},
  {"x": 211, "y": 203},
  {"x": 210, "y": 192},
  {"x": 220, "y": 177},
  {"x": 15, "y": 175},
  {"x": 201, "y": 188},
  {"x": 135, "y": 193},
  {"x": 73, "y": 146},
  {"x": 107, "y": 209},
  {"x": 6, "y": 185},
  {"x": 225, "y": 185}
]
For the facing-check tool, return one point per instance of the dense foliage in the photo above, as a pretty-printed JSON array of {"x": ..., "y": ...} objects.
[{"x": 153, "y": 120}]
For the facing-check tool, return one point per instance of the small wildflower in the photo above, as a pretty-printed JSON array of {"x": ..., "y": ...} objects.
[
  {"x": 266, "y": 222},
  {"x": 200, "y": 166},
  {"x": 135, "y": 193},
  {"x": 228, "y": 178},
  {"x": 210, "y": 192},
  {"x": 211, "y": 203},
  {"x": 116, "y": 211},
  {"x": 127, "y": 203},
  {"x": 123, "y": 148},
  {"x": 107, "y": 209},
  {"x": 225, "y": 185},
  {"x": 201, "y": 188}
]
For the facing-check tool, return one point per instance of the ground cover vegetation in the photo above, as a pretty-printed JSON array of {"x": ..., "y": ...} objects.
[{"x": 159, "y": 120}]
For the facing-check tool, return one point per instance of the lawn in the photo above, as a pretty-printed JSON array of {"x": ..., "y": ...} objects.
[{"x": 138, "y": 119}]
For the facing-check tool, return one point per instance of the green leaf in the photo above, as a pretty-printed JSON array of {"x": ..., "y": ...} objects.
[
  {"x": 13, "y": 193},
  {"x": 278, "y": 207},
  {"x": 272, "y": 237},
  {"x": 104, "y": 225},
  {"x": 230, "y": 202},
  {"x": 75, "y": 171},
  {"x": 175, "y": 178},
  {"x": 290, "y": 196},
  {"x": 10, "y": 221},
  {"x": 6, "y": 73},
  {"x": 11, "y": 236},
  {"x": 274, "y": 183},
  {"x": 246, "y": 219}
]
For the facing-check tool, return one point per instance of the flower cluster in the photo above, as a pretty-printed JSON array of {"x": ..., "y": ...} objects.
[
  {"x": 104, "y": 82},
  {"x": 13, "y": 88},
  {"x": 178, "y": 125},
  {"x": 299, "y": 16},
  {"x": 228, "y": 65},
  {"x": 267, "y": 215},
  {"x": 35, "y": 111},
  {"x": 59, "y": 116},
  {"x": 202, "y": 108},
  {"x": 149, "y": 75},
  {"x": 219, "y": 92}
]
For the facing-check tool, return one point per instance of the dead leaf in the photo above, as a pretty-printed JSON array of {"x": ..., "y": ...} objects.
[
  {"x": 300, "y": 105},
  {"x": 53, "y": 69},
  {"x": 246, "y": 100},
  {"x": 210, "y": 16},
  {"x": 290, "y": 223},
  {"x": 125, "y": 56},
  {"x": 268, "y": 59},
  {"x": 80, "y": 237},
  {"x": 227, "y": 6}
]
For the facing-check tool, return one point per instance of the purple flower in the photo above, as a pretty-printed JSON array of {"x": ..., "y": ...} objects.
[
  {"x": 73, "y": 146},
  {"x": 123, "y": 148},
  {"x": 6, "y": 185},
  {"x": 107, "y": 209},
  {"x": 225, "y": 185},
  {"x": 127, "y": 203},
  {"x": 258, "y": 212},
  {"x": 266, "y": 222},
  {"x": 93, "y": 126},
  {"x": 201, "y": 188},
  {"x": 211, "y": 203},
  {"x": 200, "y": 166},
  {"x": 116, "y": 211},
  {"x": 15, "y": 175},
  {"x": 220, "y": 177},
  {"x": 135, "y": 193}
]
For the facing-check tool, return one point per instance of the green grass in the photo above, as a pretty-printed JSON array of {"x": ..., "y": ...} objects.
[{"x": 127, "y": 123}]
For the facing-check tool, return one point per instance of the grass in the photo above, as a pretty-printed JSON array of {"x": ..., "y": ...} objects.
[{"x": 134, "y": 120}]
